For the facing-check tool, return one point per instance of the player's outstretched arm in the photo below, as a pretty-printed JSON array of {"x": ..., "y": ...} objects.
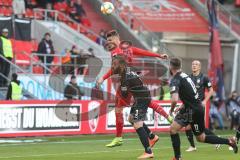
[
  {"x": 142, "y": 52},
  {"x": 102, "y": 79},
  {"x": 174, "y": 101}
]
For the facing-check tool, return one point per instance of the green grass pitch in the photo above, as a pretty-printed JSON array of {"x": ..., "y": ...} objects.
[{"x": 92, "y": 147}]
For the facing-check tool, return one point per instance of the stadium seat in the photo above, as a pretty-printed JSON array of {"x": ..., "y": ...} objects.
[
  {"x": 39, "y": 15},
  {"x": 57, "y": 6},
  {"x": 1, "y": 2},
  {"x": 37, "y": 69},
  {"x": 73, "y": 25},
  {"x": 6, "y": 11},
  {"x": 34, "y": 45},
  {"x": 63, "y": 7},
  {"x": 62, "y": 17},
  {"x": 237, "y": 3},
  {"x": 2, "y": 11},
  {"x": 33, "y": 2},
  {"x": 85, "y": 21},
  {"x": 7, "y": 3},
  {"x": 29, "y": 13}
]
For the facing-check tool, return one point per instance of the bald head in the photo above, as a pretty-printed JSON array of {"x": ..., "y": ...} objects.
[{"x": 196, "y": 67}]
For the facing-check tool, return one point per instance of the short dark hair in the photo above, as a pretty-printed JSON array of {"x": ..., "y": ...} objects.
[
  {"x": 73, "y": 77},
  {"x": 14, "y": 76},
  {"x": 47, "y": 34},
  {"x": 112, "y": 33},
  {"x": 120, "y": 58},
  {"x": 176, "y": 63}
]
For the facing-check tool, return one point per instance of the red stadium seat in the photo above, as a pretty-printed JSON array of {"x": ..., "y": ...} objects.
[
  {"x": 34, "y": 46},
  {"x": 63, "y": 7},
  {"x": 237, "y": 3},
  {"x": 1, "y": 2},
  {"x": 62, "y": 17},
  {"x": 2, "y": 11},
  {"x": 57, "y": 6},
  {"x": 86, "y": 22},
  {"x": 39, "y": 15},
  {"x": 33, "y": 2},
  {"x": 7, "y": 3},
  {"x": 6, "y": 11},
  {"x": 29, "y": 13},
  {"x": 22, "y": 46},
  {"x": 75, "y": 26},
  {"x": 37, "y": 69}
]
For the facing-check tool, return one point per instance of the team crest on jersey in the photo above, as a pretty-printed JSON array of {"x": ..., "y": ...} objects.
[
  {"x": 93, "y": 115},
  {"x": 198, "y": 80}
]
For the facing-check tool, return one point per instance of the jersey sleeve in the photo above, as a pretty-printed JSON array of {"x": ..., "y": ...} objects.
[
  {"x": 107, "y": 75},
  {"x": 206, "y": 82},
  {"x": 124, "y": 87},
  {"x": 141, "y": 52},
  {"x": 174, "y": 86}
]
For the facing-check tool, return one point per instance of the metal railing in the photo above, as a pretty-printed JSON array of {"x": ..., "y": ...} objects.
[
  {"x": 142, "y": 31},
  {"x": 26, "y": 94},
  {"x": 78, "y": 64},
  {"x": 58, "y": 66},
  {"x": 56, "y": 16},
  {"x": 227, "y": 18},
  {"x": 18, "y": 69}
]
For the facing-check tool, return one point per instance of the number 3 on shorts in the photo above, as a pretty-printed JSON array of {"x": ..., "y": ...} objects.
[{"x": 196, "y": 127}]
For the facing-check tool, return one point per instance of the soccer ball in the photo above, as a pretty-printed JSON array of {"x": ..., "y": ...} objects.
[{"x": 107, "y": 8}]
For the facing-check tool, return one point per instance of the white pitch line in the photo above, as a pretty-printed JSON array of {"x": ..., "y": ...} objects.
[
  {"x": 94, "y": 152},
  {"x": 74, "y": 142}
]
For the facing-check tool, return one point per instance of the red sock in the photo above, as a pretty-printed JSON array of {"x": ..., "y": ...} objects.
[
  {"x": 156, "y": 107},
  {"x": 119, "y": 124}
]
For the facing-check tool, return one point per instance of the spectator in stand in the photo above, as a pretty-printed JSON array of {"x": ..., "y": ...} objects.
[
  {"x": 233, "y": 109},
  {"x": 50, "y": 15},
  {"x": 67, "y": 67},
  {"x": 6, "y": 52},
  {"x": 14, "y": 89},
  {"x": 72, "y": 11},
  {"x": 18, "y": 8},
  {"x": 43, "y": 3},
  {"x": 31, "y": 4},
  {"x": 215, "y": 114},
  {"x": 79, "y": 8},
  {"x": 46, "y": 49},
  {"x": 101, "y": 40},
  {"x": 72, "y": 90},
  {"x": 91, "y": 52}
]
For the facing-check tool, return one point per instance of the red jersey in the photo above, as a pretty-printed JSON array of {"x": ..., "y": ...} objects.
[{"x": 129, "y": 54}]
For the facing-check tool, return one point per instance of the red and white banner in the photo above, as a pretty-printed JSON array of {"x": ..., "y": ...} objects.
[
  {"x": 40, "y": 118},
  {"x": 167, "y": 16}
]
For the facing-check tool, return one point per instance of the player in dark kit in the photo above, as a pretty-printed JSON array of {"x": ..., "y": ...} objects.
[
  {"x": 238, "y": 134},
  {"x": 183, "y": 87},
  {"x": 202, "y": 83},
  {"x": 125, "y": 49},
  {"x": 130, "y": 83}
]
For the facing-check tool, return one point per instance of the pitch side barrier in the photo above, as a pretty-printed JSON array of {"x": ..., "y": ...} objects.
[{"x": 51, "y": 118}]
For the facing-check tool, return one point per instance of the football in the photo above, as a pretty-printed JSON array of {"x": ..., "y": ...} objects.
[{"x": 107, "y": 8}]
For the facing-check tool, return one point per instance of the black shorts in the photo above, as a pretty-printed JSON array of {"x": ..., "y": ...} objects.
[
  {"x": 194, "y": 117},
  {"x": 182, "y": 117},
  {"x": 139, "y": 111},
  {"x": 197, "y": 123}
]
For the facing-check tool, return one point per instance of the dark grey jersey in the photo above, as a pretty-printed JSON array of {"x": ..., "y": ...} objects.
[{"x": 184, "y": 86}]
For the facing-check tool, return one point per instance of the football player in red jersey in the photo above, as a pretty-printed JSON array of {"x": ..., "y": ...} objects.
[{"x": 124, "y": 48}]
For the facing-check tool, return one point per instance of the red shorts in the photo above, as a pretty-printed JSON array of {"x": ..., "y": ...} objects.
[{"x": 122, "y": 101}]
